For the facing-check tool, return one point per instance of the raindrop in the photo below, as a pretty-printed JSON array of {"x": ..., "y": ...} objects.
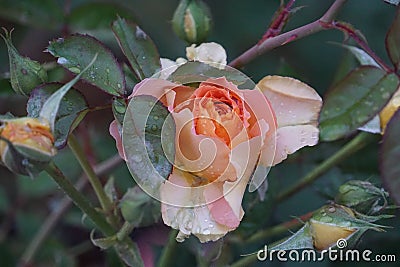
[
  {"x": 331, "y": 209},
  {"x": 326, "y": 219},
  {"x": 155, "y": 118},
  {"x": 154, "y": 127},
  {"x": 385, "y": 95},
  {"x": 74, "y": 70},
  {"x": 62, "y": 60},
  {"x": 206, "y": 231},
  {"x": 108, "y": 70},
  {"x": 70, "y": 109},
  {"x": 118, "y": 85}
]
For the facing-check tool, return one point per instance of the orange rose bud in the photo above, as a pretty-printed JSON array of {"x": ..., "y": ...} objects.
[
  {"x": 329, "y": 224},
  {"x": 26, "y": 144}
]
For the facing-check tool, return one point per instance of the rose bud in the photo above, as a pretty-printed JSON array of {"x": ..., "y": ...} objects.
[
  {"x": 192, "y": 21},
  {"x": 362, "y": 196},
  {"x": 26, "y": 145},
  {"x": 334, "y": 223},
  {"x": 388, "y": 111}
]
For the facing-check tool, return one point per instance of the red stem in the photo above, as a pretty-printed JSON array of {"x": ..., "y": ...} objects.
[
  {"x": 287, "y": 37},
  {"x": 359, "y": 40},
  {"x": 276, "y": 26}
]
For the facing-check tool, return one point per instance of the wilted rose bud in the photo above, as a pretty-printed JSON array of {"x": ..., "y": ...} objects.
[
  {"x": 26, "y": 144},
  {"x": 362, "y": 196},
  {"x": 192, "y": 21}
]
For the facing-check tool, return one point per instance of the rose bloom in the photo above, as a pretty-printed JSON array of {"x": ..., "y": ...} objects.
[{"x": 222, "y": 133}]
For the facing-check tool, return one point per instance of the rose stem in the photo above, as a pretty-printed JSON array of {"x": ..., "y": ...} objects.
[
  {"x": 92, "y": 177},
  {"x": 245, "y": 261},
  {"x": 289, "y": 36},
  {"x": 360, "y": 41},
  {"x": 79, "y": 200},
  {"x": 63, "y": 206},
  {"x": 278, "y": 229},
  {"x": 356, "y": 144},
  {"x": 97, "y": 218},
  {"x": 280, "y": 18},
  {"x": 168, "y": 253}
]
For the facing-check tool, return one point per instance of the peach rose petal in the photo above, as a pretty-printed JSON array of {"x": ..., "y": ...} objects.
[
  {"x": 293, "y": 101},
  {"x": 206, "y": 156},
  {"x": 296, "y": 106},
  {"x": 219, "y": 208},
  {"x": 188, "y": 220},
  {"x": 114, "y": 132},
  {"x": 157, "y": 88}
]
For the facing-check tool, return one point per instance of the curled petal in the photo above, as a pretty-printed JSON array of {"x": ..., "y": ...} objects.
[
  {"x": 207, "y": 157},
  {"x": 114, "y": 132},
  {"x": 296, "y": 106},
  {"x": 196, "y": 220},
  {"x": 211, "y": 53}
]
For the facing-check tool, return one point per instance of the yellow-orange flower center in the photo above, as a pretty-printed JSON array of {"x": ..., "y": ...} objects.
[{"x": 218, "y": 112}]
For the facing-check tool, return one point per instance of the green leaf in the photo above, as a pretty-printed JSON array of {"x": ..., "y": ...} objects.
[
  {"x": 362, "y": 56},
  {"x": 104, "y": 242},
  {"x": 45, "y": 14},
  {"x": 119, "y": 108},
  {"x": 76, "y": 51},
  {"x": 355, "y": 100},
  {"x": 390, "y": 154},
  {"x": 190, "y": 72},
  {"x": 148, "y": 138},
  {"x": 138, "y": 208},
  {"x": 393, "y": 41},
  {"x": 137, "y": 46},
  {"x": 70, "y": 108},
  {"x": 110, "y": 190},
  {"x": 25, "y": 73},
  {"x": 50, "y": 108},
  {"x": 91, "y": 16},
  {"x": 393, "y": 2}
]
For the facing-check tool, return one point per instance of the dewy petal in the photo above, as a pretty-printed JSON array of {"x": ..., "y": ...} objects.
[
  {"x": 211, "y": 53},
  {"x": 293, "y": 101},
  {"x": 188, "y": 220},
  {"x": 296, "y": 106},
  {"x": 114, "y": 132}
]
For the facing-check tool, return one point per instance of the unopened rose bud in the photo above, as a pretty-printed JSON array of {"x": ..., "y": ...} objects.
[
  {"x": 329, "y": 224},
  {"x": 192, "y": 21},
  {"x": 362, "y": 196},
  {"x": 26, "y": 145}
]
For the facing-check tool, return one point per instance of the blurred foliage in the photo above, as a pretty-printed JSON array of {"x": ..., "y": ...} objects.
[{"x": 238, "y": 25}]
